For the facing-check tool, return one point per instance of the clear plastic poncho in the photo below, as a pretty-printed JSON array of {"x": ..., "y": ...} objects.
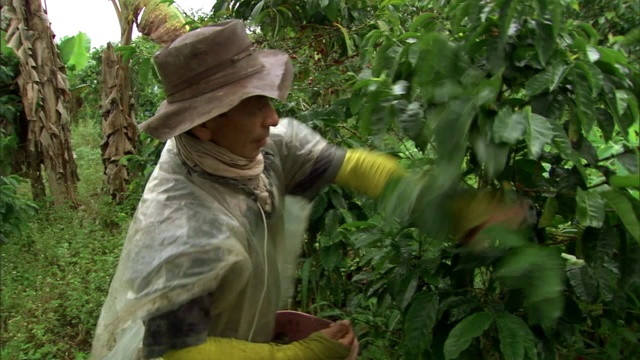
[{"x": 192, "y": 235}]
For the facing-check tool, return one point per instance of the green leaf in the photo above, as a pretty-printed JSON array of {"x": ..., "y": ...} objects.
[
  {"x": 548, "y": 213},
  {"x": 623, "y": 208},
  {"x": 539, "y": 132},
  {"x": 516, "y": 339},
  {"x": 622, "y": 181},
  {"x": 590, "y": 211},
  {"x": 622, "y": 101},
  {"x": 562, "y": 143},
  {"x": 257, "y": 10},
  {"x": 517, "y": 263},
  {"x": 593, "y": 75},
  {"x": 605, "y": 123},
  {"x": 5, "y": 50},
  {"x": 462, "y": 334},
  {"x": 493, "y": 156},
  {"x": 74, "y": 51},
  {"x": 592, "y": 54},
  {"x": 583, "y": 282},
  {"x": 629, "y": 161},
  {"x": 546, "y": 80},
  {"x": 584, "y": 100},
  {"x": 509, "y": 127},
  {"x": 611, "y": 56},
  {"x": 507, "y": 13},
  {"x": 347, "y": 39},
  {"x": 420, "y": 320},
  {"x": 545, "y": 41}
]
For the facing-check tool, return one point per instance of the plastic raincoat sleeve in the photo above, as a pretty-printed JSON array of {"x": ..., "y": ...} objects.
[{"x": 309, "y": 162}]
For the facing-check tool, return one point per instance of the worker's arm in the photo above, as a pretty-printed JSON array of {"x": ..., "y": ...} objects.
[
  {"x": 368, "y": 172},
  {"x": 316, "y": 347}
]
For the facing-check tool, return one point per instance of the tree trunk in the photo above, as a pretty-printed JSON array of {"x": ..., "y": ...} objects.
[
  {"x": 45, "y": 95},
  {"x": 118, "y": 122}
]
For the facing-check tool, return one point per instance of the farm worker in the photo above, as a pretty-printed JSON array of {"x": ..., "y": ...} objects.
[{"x": 211, "y": 251}]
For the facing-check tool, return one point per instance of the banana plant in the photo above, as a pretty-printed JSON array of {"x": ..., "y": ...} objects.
[
  {"x": 45, "y": 98},
  {"x": 161, "y": 21}
]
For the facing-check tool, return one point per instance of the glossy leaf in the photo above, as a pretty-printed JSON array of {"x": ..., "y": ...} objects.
[
  {"x": 462, "y": 334},
  {"x": 539, "y": 132},
  {"x": 516, "y": 339},
  {"x": 420, "y": 320},
  {"x": 563, "y": 145},
  {"x": 546, "y": 80},
  {"x": 623, "y": 208},
  {"x": 590, "y": 210},
  {"x": 584, "y": 101},
  {"x": 605, "y": 123},
  {"x": 545, "y": 41},
  {"x": 583, "y": 282}
]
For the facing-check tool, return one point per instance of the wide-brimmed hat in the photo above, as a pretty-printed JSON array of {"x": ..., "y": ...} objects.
[{"x": 208, "y": 71}]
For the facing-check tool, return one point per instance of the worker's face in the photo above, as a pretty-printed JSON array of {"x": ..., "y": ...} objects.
[{"x": 244, "y": 129}]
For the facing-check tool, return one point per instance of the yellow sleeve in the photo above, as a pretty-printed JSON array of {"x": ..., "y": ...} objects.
[
  {"x": 367, "y": 171},
  {"x": 315, "y": 347}
]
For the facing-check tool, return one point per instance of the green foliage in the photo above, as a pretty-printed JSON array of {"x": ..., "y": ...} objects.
[
  {"x": 74, "y": 51},
  {"x": 56, "y": 273},
  {"x": 534, "y": 100},
  {"x": 505, "y": 95}
]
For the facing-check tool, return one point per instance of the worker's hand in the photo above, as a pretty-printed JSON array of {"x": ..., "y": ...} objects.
[
  {"x": 340, "y": 331},
  {"x": 473, "y": 211}
]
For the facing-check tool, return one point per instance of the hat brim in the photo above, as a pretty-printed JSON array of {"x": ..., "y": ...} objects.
[{"x": 174, "y": 118}]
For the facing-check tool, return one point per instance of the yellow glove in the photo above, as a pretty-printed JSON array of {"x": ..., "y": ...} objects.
[
  {"x": 367, "y": 172},
  {"x": 316, "y": 347}
]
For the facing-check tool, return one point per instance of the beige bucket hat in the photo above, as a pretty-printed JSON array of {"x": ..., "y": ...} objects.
[{"x": 208, "y": 71}]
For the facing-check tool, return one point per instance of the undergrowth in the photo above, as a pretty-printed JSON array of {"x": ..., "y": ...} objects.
[{"x": 55, "y": 276}]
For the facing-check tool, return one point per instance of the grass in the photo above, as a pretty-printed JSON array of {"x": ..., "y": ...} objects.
[{"x": 56, "y": 275}]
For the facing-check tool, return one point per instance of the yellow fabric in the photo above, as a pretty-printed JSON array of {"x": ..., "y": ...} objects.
[
  {"x": 315, "y": 347},
  {"x": 367, "y": 172}
]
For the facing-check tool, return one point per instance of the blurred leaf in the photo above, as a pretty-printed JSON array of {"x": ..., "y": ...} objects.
[
  {"x": 548, "y": 213},
  {"x": 420, "y": 320},
  {"x": 464, "y": 332},
  {"x": 509, "y": 127},
  {"x": 623, "y": 208},
  {"x": 624, "y": 181},
  {"x": 493, "y": 156},
  {"x": 590, "y": 210}
]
